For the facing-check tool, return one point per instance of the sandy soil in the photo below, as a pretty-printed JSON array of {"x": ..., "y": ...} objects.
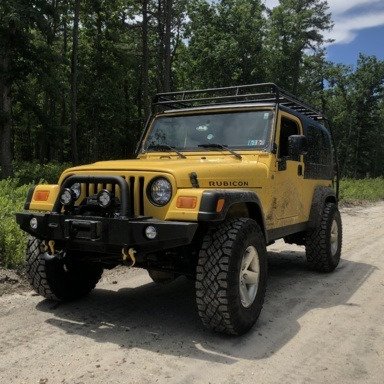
[
  {"x": 314, "y": 328},
  {"x": 13, "y": 282}
]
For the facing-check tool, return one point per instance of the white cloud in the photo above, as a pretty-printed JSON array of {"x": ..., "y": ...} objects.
[
  {"x": 271, "y": 3},
  {"x": 349, "y": 17},
  {"x": 338, "y": 7},
  {"x": 347, "y": 28}
]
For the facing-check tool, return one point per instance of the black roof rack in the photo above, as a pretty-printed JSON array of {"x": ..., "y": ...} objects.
[{"x": 254, "y": 93}]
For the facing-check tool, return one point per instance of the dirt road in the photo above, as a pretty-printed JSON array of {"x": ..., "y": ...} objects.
[{"x": 314, "y": 328}]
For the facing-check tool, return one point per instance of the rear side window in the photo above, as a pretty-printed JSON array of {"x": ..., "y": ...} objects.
[
  {"x": 319, "y": 146},
  {"x": 319, "y": 158}
]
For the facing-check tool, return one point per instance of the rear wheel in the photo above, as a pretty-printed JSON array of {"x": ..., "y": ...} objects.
[
  {"x": 231, "y": 276},
  {"x": 59, "y": 279},
  {"x": 323, "y": 243}
]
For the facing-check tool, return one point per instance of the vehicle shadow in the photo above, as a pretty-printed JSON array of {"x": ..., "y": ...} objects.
[{"x": 163, "y": 319}]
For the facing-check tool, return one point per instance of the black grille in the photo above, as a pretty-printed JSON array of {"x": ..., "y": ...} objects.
[
  {"x": 135, "y": 187},
  {"x": 91, "y": 185}
]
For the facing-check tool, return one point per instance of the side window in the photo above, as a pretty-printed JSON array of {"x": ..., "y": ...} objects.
[
  {"x": 326, "y": 157},
  {"x": 288, "y": 127},
  {"x": 319, "y": 146}
]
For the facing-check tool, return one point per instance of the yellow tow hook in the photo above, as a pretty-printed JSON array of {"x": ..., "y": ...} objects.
[
  {"x": 49, "y": 247},
  {"x": 129, "y": 255}
]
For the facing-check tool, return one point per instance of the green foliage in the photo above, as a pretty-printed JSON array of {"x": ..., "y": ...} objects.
[
  {"x": 199, "y": 43},
  {"x": 363, "y": 189},
  {"x": 225, "y": 43},
  {"x": 294, "y": 28},
  {"x": 355, "y": 104},
  {"x": 12, "y": 239},
  {"x": 33, "y": 173}
]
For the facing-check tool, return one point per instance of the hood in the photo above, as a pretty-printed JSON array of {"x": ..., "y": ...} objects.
[{"x": 211, "y": 171}]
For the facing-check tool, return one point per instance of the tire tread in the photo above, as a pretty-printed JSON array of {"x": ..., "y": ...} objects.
[
  {"x": 213, "y": 297},
  {"x": 54, "y": 283},
  {"x": 317, "y": 247}
]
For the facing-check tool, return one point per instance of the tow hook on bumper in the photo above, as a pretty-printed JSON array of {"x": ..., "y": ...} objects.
[
  {"x": 129, "y": 254},
  {"x": 50, "y": 247},
  {"x": 50, "y": 254},
  {"x": 107, "y": 235}
]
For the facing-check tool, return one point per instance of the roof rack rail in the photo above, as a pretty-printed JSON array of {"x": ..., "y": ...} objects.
[{"x": 253, "y": 93}]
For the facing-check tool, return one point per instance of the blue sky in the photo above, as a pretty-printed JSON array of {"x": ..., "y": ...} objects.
[
  {"x": 369, "y": 41},
  {"x": 358, "y": 27}
]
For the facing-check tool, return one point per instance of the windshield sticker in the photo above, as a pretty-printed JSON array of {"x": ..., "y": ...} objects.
[
  {"x": 210, "y": 136},
  {"x": 202, "y": 128},
  {"x": 253, "y": 143},
  {"x": 266, "y": 115}
]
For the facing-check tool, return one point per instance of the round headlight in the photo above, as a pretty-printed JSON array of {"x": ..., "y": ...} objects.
[
  {"x": 104, "y": 198},
  {"x": 76, "y": 189},
  {"x": 33, "y": 223},
  {"x": 160, "y": 191},
  {"x": 67, "y": 196}
]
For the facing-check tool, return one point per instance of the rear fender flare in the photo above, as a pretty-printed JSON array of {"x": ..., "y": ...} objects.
[{"x": 321, "y": 196}]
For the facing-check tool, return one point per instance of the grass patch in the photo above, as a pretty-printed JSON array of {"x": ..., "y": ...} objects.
[
  {"x": 13, "y": 193},
  {"x": 362, "y": 190},
  {"x": 12, "y": 239}
]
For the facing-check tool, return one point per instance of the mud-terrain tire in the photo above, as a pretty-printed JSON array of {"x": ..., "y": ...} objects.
[
  {"x": 231, "y": 255},
  {"x": 59, "y": 280},
  {"x": 323, "y": 243},
  {"x": 161, "y": 277}
]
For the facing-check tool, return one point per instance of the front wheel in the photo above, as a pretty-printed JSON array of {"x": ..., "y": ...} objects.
[
  {"x": 231, "y": 276},
  {"x": 323, "y": 243},
  {"x": 59, "y": 279}
]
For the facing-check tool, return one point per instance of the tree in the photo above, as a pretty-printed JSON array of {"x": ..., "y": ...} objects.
[
  {"x": 16, "y": 57},
  {"x": 74, "y": 76},
  {"x": 5, "y": 113},
  {"x": 295, "y": 29},
  {"x": 225, "y": 43},
  {"x": 80, "y": 91},
  {"x": 355, "y": 106},
  {"x": 11, "y": 30}
]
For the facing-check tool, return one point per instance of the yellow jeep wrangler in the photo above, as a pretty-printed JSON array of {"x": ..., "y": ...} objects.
[{"x": 219, "y": 175}]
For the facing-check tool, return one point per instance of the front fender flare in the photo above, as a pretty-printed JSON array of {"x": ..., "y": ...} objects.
[{"x": 208, "y": 206}]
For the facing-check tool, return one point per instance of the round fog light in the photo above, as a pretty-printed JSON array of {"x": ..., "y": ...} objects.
[
  {"x": 150, "y": 232},
  {"x": 33, "y": 223},
  {"x": 66, "y": 197},
  {"x": 104, "y": 198},
  {"x": 76, "y": 189}
]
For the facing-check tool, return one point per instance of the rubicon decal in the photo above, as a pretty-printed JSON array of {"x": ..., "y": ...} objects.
[{"x": 228, "y": 184}]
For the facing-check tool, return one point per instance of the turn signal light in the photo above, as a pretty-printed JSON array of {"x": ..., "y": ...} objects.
[
  {"x": 186, "y": 202},
  {"x": 41, "y": 195}
]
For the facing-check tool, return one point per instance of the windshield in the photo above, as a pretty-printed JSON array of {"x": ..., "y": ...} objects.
[{"x": 237, "y": 130}]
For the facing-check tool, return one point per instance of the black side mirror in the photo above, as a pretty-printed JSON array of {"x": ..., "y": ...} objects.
[{"x": 297, "y": 145}]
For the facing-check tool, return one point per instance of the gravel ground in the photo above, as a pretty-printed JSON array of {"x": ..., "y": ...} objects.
[{"x": 314, "y": 328}]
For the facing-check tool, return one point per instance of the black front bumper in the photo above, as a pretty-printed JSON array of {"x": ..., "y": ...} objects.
[{"x": 107, "y": 235}]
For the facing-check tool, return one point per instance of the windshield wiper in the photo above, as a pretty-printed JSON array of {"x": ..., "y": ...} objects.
[
  {"x": 165, "y": 147},
  {"x": 221, "y": 146}
]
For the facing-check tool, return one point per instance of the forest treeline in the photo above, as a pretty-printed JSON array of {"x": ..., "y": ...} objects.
[{"x": 77, "y": 77}]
